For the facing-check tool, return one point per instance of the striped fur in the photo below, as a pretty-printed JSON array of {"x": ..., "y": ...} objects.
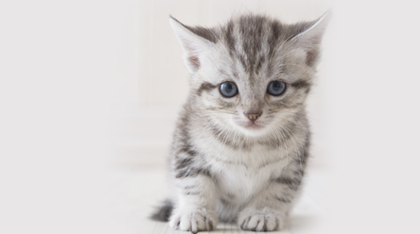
[{"x": 222, "y": 165}]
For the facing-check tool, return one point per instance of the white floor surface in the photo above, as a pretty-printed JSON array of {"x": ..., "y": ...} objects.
[{"x": 141, "y": 188}]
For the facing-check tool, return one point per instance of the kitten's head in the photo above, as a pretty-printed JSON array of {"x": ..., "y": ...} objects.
[{"x": 252, "y": 73}]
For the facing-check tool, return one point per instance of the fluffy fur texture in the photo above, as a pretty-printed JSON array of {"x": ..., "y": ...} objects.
[{"x": 223, "y": 166}]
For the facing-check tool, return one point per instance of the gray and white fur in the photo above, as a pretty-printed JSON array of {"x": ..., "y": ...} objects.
[{"x": 242, "y": 159}]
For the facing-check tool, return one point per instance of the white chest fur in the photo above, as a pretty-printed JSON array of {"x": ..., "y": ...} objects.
[
  {"x": 241, "y": 174},
  {"x": 242, "y": 171}
]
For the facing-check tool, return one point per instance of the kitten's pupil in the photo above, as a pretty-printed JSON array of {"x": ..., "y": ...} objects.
[
  {"x": 228, "y": 89},
  {"x": 276, "y": 88}
]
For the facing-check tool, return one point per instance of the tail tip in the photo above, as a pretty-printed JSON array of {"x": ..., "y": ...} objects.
[{"x": 163, "y": 212}]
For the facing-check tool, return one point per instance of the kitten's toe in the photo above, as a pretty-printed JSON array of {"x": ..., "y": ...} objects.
[
  {"x": 193, "y": 221},
  {"x": 260, "y": 220},
  {"x": 174, "y": 222}
]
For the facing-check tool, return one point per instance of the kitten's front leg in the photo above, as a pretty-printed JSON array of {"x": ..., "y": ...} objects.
[
  {"x": 268, "y": 210},
  {"x": 195, "y": 209}
]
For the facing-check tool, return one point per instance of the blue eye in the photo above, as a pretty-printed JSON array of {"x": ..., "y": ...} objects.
[
  {"x": 276, "y": 88},
  {"x": 228, "y": 89}
]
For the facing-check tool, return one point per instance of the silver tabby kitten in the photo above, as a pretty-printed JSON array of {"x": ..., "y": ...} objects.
[{"x": 241, "y": 144}]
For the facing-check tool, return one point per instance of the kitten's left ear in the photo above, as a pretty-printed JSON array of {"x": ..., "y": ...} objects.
[
  {"x": 308, "y": 35},
  {"x": 194, "y": 42}
]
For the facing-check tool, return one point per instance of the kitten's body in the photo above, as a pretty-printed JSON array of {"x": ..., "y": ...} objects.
[
  {"x": 243, "y": 167},
  {"x": 223, "y": 164}
]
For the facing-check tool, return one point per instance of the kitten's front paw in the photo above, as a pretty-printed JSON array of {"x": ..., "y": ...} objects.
[
  {"x": 193, "y": 220},
  {"x": 260, "y": 220}
]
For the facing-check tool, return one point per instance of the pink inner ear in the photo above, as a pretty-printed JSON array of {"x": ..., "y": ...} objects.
[
  {"x": 194, "y": 62},
  {"x": 191, "y": 50}
]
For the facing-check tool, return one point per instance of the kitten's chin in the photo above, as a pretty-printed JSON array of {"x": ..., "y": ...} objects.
[
  {"x": 253, "y": 129},
  {"x": 253, "y": 126}
]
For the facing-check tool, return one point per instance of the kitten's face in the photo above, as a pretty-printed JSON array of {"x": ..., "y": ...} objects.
[
  {"x": 252, "y": 74},
  {"x": 255, "y": 106}
]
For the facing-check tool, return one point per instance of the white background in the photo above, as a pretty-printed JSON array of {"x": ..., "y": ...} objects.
[{"x": 86, "y": 85}]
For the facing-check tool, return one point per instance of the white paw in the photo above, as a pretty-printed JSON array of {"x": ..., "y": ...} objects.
[
  {"x": 193, "y": 220},
  {"x": 260, "y": 220}
]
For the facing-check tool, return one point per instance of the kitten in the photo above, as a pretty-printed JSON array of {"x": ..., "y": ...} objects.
[{"x": 241, "y": 143}]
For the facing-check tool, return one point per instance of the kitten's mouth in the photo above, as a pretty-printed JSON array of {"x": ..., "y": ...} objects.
[{"x": 253, "y": 125}]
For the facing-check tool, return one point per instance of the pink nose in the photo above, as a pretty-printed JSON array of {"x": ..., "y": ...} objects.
[{"x": 253, "y": 115}]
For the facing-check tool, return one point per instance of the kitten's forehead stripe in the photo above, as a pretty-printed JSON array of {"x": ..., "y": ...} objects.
[
  {"x": 230, "y": 40},
  {"x": 251, "y": 29},
  {"x": 273, "y": 37},
  {"x": 252, "y": 40}
]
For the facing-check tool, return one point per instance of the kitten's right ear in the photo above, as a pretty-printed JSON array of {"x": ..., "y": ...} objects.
[{"x": 192, "y": 43}]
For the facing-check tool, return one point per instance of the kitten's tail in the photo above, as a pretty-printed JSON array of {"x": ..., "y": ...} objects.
[{"x": 163, "y": 212}]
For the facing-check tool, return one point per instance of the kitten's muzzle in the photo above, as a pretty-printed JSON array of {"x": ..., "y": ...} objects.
[{"x": 253, "y": 115}]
